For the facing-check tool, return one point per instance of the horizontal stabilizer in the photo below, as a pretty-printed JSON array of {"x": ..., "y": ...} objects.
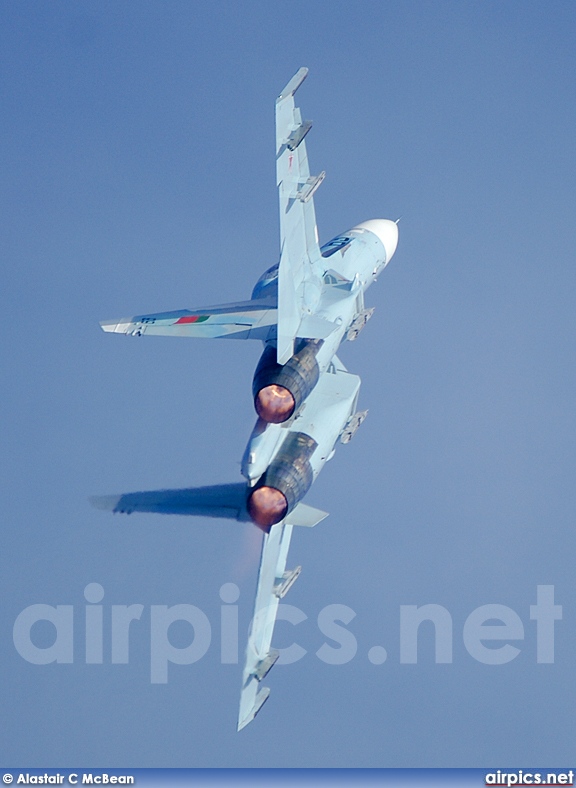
[
  {"x": 220, "y": 500},
  {"x": 306, "y": 515},
  {"x": 242, "y": 320},
  {"x": 312, "y": 327}
]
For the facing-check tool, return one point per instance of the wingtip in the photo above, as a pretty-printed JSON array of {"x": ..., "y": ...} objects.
[
  {"x": 294, "y": 83},
  {"x": 260, "y": 700},
  {"x": 116, "y": 326},
  {"x": 105, "y": 502}
]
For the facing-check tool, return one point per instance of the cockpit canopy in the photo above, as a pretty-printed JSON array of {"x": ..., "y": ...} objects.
[{"x": 267, "y": 285}]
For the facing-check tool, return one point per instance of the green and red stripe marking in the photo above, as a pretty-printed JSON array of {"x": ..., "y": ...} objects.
[{"x": 192, "y": 319}]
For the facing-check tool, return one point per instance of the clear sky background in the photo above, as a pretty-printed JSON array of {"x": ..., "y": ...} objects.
[{"x": 138, "y": 176}]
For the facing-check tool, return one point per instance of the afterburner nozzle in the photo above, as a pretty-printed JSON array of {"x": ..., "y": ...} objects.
[
  {"x": 274, "y": 404},
  {"x": 266, "y": 507}
]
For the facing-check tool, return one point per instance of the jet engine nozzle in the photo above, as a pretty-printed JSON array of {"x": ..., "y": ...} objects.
[
  {"x": 267, "y": 506},
  {"x": 278, "y": 389},
  {"x": 274, "y": 404},
  {"x": 285, "y": 482}
]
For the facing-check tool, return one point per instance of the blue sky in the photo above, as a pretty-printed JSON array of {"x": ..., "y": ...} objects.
[{"x": 138, "y": 176}]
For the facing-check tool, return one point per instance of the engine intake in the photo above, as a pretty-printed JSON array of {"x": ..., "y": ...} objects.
[
  {"x": 285, "y": 482},
  {"x": 278, "y": 389}
]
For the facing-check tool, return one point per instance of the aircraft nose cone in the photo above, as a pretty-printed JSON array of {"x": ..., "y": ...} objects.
[{"x": 386, "y": 231}]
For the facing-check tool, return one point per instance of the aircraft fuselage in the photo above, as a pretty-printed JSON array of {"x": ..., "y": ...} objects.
[{"x": 353, "y": 261}]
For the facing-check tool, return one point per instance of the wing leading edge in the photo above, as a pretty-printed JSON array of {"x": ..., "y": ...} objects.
[
  {"x": 229, "y": 501},
  {"x": 254, "y": 319},
  {"x": 274, "y": 582},
  {"x": 300, "y": 257},
  {"x": 299, "y": 271},
  {"x": 219, "y": 500}
]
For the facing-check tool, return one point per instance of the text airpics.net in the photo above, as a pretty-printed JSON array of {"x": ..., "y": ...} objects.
[
  {"x": 74, "y": 631},
  {"x": 530, "y": 778}
]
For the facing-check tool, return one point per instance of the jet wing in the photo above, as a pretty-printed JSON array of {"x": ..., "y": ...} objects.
[
  {"x": 242, "y": 320},
  {"x": 299, "y": 250},
  {"x": 259, "y": 657},
  {"x": 219, "y": 500},
  {"x": 273, "y": 583}
]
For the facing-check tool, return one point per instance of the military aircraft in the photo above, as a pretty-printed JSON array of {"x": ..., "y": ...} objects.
[{"x": 302, "y": 308}]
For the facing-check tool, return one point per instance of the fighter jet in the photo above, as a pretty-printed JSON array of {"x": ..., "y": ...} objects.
[{"x": 301, "y": 309}]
